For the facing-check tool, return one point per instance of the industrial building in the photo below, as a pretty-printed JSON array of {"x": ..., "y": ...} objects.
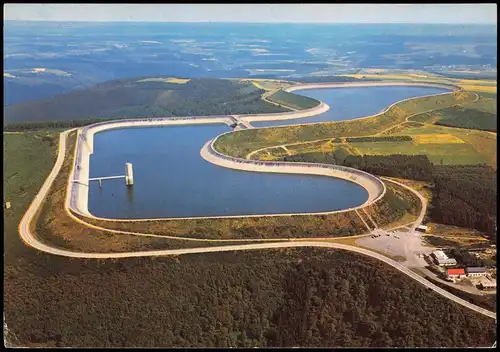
[
  {"x": 475, "y": 271},
  {"x": 487, "y": 284},
  {"x": 456, "y": 273},
  {"x": 442, "y": 259}
]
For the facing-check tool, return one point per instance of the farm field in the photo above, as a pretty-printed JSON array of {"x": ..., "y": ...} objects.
[
  {"x": 483, "y": 142},
  {"x": 479, "y": 88},
  {"x": 483, "y": 85},
  {"x": 240, "y": 143},
  {"x": 451, "y": 146},
  {"x": 445, "y": 153}
]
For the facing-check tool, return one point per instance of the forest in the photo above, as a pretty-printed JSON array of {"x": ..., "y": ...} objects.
[
  {"x": 466, "y": 196},
  {"x": 40, "y": 125},
  {"x": 293, "y": 100},
  {"x": 306, "y": 297},
  {"x": 416, "y": 167},
  {"x": 133, "y": 98},
  {"x": 462, "y": 195}
]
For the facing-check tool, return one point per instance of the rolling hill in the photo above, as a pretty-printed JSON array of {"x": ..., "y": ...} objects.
[{"x": 144, "y": 97}]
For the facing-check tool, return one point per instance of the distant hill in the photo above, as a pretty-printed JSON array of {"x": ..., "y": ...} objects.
[
  {"x": 144, "y": 97},
  {"x": 27, "y": 84}
]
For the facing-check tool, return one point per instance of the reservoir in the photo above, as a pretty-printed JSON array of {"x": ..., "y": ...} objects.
[
  {"x": 171, "y": 179},
  {"x": 353, "y": 102}
]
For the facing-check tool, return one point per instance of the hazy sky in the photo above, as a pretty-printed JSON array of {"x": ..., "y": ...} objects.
[{"x": 305, "y": 13}]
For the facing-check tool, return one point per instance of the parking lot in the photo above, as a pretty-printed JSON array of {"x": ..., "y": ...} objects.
[{"x": 398, "y": 243}]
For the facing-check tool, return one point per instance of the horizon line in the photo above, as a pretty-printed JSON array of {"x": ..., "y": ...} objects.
[{"x": 241, "y": 22}]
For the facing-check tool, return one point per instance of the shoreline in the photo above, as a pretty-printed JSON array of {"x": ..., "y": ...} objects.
[{"x": 77, "y": 192}]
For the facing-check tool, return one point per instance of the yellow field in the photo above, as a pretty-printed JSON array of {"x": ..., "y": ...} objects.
[
  {"x": 436, "y": 138},
  {"x": 478, "y": 82},
  {"x": 327, "y": 147},
  {"x": 267, "y": 85},
  {"x": 258, "y": 85},
  {"x": 417, "y": 75},
  {"x": 165, "y": 80},
  {"x": 476, "y": 88}
]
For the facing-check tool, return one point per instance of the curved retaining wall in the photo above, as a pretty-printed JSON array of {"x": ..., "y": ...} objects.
[
  {"x": 374, "y": 186},
  {"x": 323, "y": 107},
  {"x": 289, "y": 115},
  {"x": 77, "y": 197}
]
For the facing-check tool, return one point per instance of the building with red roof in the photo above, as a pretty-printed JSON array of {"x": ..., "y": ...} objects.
[{"x": 456, "y": 273}]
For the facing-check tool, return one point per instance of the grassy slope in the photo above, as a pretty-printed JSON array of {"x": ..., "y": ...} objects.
[
  {"x": 129, "y": 98},
  {"x": 27, "y": 161},
  {"x": 240, "y": 143},
  {"x": 392, "y": 208}
]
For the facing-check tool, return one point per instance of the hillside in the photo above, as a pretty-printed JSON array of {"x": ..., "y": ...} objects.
[
  {"x": 142, "y": 97},
  {"x": 275, "y": 298}
]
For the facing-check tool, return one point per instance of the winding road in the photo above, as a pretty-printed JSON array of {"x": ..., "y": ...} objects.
[{"x": 30, "y": 239}]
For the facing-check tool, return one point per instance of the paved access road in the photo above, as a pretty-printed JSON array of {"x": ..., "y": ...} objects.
[{"x": 30, "y": 239}]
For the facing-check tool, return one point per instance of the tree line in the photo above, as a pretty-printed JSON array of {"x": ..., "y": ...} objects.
[
  {"x": 307, "y": 297},
  {"x": 462, "y": 195}
]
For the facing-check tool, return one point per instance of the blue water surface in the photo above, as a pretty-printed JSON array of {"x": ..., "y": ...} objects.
[
  {"x": 171, "y": 179},
  {"x": 353, "y": 102}
]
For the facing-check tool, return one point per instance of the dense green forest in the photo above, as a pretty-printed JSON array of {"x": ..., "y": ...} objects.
[
  {"x": 471, "y": 116},
  {"x": 39, "y": 125},
  {"x": 468, "y": 118},
  {"x": 132, "y": 98},
  {"x": 293, "y": 100},
  {"x": 417, "y": 167},
  {"x": 462, "y": 195},
  {"x": 466, "y": 196},
  {"x": 295, "y": 297}
]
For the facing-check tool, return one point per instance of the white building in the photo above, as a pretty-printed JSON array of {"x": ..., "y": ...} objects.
[
  {"x": 487, "y": 284},
  {"x": 442, "y": 259},
  {"x": 475, "y": 271}
]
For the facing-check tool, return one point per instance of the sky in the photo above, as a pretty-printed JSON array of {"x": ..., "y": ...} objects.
[{"x": 263, "y": 13}]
